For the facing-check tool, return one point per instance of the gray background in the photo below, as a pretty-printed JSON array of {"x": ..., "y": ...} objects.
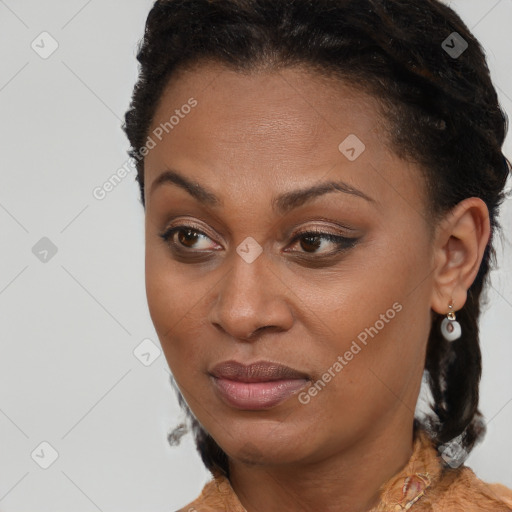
[{"x": 70, "y": 324}]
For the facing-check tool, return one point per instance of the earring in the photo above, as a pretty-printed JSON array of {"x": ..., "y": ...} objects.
[{"x": 450, "y": 328}]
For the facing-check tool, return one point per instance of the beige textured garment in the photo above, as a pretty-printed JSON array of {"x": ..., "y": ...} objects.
[{"x": 423, "y": 485}]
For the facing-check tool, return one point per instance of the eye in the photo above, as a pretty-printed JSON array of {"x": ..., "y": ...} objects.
[
  {"x": 187, "y": 238},
  {"x": 311, "y": 241}
]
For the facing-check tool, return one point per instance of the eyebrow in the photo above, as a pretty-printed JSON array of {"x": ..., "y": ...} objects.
[{"x": 281, "y": 204}]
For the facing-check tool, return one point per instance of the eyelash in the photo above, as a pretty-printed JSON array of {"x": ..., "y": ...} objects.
[{"x": 343, "y": 243}]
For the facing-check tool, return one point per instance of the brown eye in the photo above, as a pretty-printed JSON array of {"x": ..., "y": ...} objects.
[
  {"x": 188, "y": 239},
  {"x": 311, "y": 241},
  {"x": 188, "y": 236}
]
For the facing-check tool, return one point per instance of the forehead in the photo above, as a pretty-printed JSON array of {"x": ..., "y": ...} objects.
[
  {"x": 269, "y": 125},
  {"x": 267, "y": 104}
]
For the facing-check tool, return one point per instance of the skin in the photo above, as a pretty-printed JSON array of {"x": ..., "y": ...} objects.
[{"x": 250, "y": 138}]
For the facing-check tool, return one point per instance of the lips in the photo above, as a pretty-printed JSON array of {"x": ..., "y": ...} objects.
[
  {"x": 261, "y": 371},
  {"x": 260, "y": 385}
]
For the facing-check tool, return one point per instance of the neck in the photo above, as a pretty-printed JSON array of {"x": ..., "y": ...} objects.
[{"x": 348, "y": 480}]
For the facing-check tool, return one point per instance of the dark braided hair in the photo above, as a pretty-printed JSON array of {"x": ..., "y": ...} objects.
[{"x": 442, "y": 113}]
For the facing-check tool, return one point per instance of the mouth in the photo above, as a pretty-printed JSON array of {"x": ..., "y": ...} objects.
[{"x": 260, "y": 385}]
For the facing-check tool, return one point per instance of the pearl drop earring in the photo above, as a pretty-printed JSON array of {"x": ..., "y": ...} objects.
[{"x": 450, "y": 328}]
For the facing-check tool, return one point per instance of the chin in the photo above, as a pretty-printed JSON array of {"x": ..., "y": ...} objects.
[{"x": 265, "y": 448}]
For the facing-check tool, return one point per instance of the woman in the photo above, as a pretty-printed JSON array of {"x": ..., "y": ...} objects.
[{"x": 321, "y": 183}]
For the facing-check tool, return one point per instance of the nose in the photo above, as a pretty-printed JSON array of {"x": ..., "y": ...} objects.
[{"x": 251, "y": 297}]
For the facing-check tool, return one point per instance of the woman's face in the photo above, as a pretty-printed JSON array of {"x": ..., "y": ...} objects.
[{"x": 351, "y": 314}]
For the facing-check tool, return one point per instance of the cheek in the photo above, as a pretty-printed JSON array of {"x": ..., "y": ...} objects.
[
  {"x": 377, "y": 319},
  {"x": 172, "y": 304},
  {"x": 169, "y": 288},
  {"x": 377, "y": 371},
  {"x": 178, "y": 297}
]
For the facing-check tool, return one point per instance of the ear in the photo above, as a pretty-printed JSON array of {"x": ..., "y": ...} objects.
[{"x": 459, "y": 244}]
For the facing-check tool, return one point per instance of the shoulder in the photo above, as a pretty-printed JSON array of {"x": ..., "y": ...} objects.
[
  {"x": 207, "y": 501},
  {"x": 460, "y": 489},
  {"x": 216, "y": 495},
  {"x": 439, "y": 487}
]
